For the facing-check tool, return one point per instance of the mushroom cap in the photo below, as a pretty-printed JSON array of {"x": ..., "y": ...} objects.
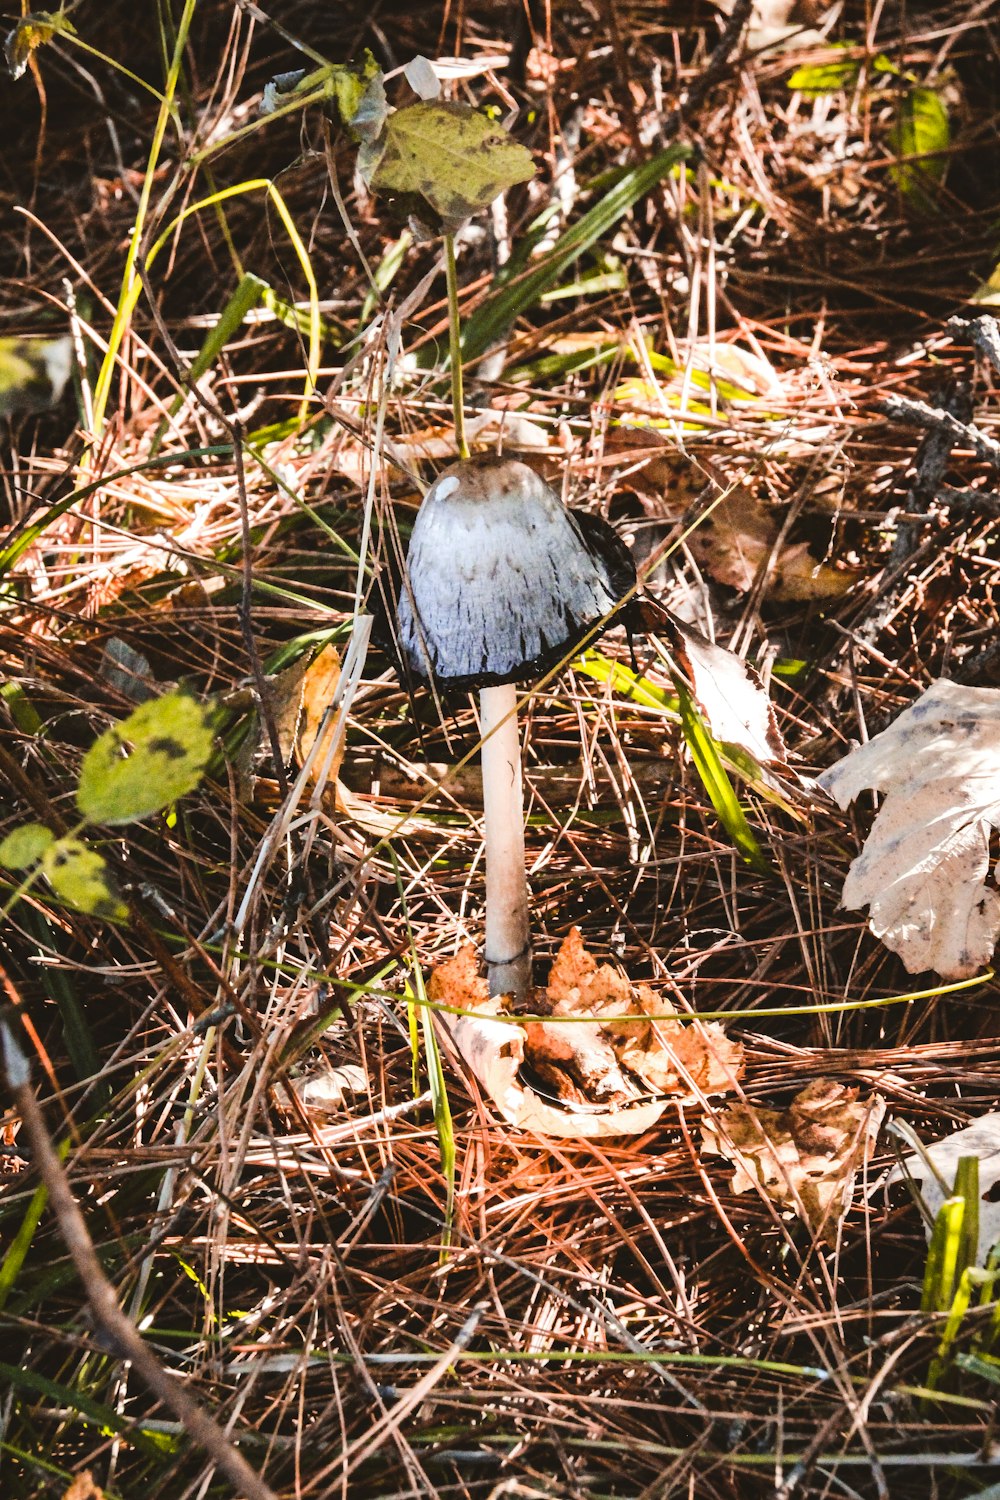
[{"x": 502, "y": 580}]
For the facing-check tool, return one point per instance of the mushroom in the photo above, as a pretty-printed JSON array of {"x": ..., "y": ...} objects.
[{"x": 502, "y": 582}]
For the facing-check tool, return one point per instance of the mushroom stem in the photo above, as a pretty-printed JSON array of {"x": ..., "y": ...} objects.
[{"x": 508, "y": 937}]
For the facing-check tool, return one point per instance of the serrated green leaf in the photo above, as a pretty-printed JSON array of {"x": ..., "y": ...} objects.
[
  {"x": 149, "y": 760},
  {"x": 33, "y": 373},
  {"x": 29, "y": 34},
  {"x": 922, "y": 129},
  {"x": 445, "y": 158},
  {"x": 25, "y": 846},
  {"x": 79, "y": 875}
]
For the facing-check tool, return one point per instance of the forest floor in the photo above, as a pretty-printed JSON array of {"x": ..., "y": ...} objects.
[{"x": 402, "y": 1294}]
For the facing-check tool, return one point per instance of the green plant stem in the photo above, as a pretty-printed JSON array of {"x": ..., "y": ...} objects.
[{"x": 455, "y": 345}]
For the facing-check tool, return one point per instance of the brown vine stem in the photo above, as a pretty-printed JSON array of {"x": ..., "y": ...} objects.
[{"x": 113, "y": 1324}]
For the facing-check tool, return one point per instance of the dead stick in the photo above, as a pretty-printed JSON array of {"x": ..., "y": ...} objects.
[
  {"x": 113, "y": 1324},
  {"x": 918, "y": 414},
  {"x": 981, "y": 333}
]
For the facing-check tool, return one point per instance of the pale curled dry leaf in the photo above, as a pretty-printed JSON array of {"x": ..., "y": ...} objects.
[
  {"x": 325, "y": 1090},
  {"x": 804, "y": 1157},
  {"x": 601, "y": 1072},
  {"x": 981, "y": 1139},
  {"x": 730, "y": 695},
  {"x": 925, "y": 866}
]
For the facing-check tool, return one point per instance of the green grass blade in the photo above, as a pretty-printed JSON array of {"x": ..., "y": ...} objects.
[
  {"x": 79, "y": 1039},
  {"x": 967, "y": 1188},
  {"x": 941, "y": 1270},
  {"x": 247, "y": 295},
  {"x": 10, "y": 1267},
  {"x": 130, "y": 280},
  {"x": 705, "y": 755},
  {"x": 626, "y": 683},
  {"x": 91, "y": 1410},
  {"x": 442, "y": 1117}
]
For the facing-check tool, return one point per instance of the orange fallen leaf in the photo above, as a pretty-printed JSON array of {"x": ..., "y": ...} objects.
[{"x": 608, "y": 1070}]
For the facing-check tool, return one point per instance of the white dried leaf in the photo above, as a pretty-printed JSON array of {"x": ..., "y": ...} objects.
[
  {"x": 326, "y": 1090},
  {"x": 420, "y": 75},
  {"x": 731, "y": 696},
  {"x": 924, "y": 867},
  {"x": 982, "y": 1140},
  {"x": 493, "y": 1049}
]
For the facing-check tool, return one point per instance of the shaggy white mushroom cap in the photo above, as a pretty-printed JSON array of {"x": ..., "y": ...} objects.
[{"x": 499, "y": 577}]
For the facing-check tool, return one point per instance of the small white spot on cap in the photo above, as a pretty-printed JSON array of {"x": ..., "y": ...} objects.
[{"x": 446, "y": 487}]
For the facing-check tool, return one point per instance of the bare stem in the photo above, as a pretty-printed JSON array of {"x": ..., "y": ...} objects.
[
  {"x": 508, "y": 935},
  {"x": 455, "y": 345}
]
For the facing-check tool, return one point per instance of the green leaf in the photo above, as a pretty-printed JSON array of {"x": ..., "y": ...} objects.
[
  {"x": 80, "y": 876},
  {"x": 921, "y": 130},
  {"x": 825, "y": 78},
  {"x": 21, "y": 708},
  {"x": 359, "y": 93},
  {"x": 447, "y": 158},
  {"x": 25, "y": 846},
  {"x": 33, "y": 373},
  {"x": 705, "y": 755},
  {"x": 149, "y": 760},
  {"x": 29, "y": 34}
]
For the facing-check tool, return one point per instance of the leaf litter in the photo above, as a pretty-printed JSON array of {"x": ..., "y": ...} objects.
[
  {"x": 560, "y": 1074},
  {"x": 924, "y": 872},
  {"x": 629, "y": 1221},
  {"x": 806, "y": 1157}
]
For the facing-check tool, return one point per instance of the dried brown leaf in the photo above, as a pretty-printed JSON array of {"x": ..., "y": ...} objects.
[
  {"x": 738, "y": 537},
  {"x": 82, "y": 1487},
  {"x": 804, "y": 1157}
]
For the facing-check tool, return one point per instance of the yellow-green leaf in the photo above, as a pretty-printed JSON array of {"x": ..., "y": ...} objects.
[
  {"x": 447, "y": 158},
  {"x": 825, "y": 78},
  {"x": 33, "y": 373},
  {"x": 25, "y": 846},
  {"x": 921, "y": 130},
  {"x": 29, "y": 34},
  {"x": 359, "y": 93},
  {"x": 146, "y": 762},
  {"x": 80, "y": 876}
]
